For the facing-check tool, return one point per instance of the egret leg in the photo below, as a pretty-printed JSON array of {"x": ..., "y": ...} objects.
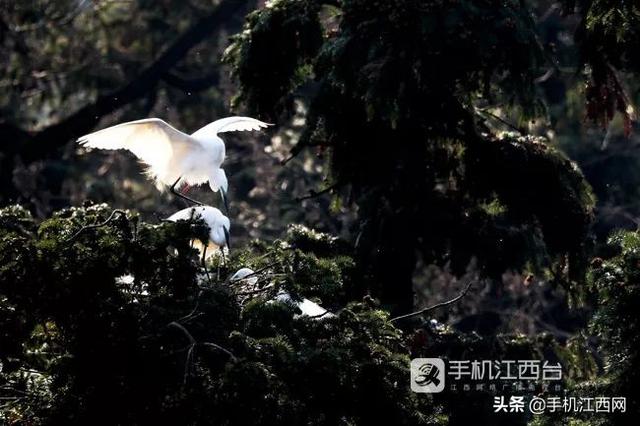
[
  {"x": 184, "y": 197},
  {"x": 224, "y": 262},
  {"x": 204, "y": 264},
  {"x": 218, "y": 273}
]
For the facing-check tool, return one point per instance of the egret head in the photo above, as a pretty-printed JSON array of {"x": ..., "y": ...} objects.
[
  {"x": 217, "y": 222},
  {"x": 219, "y": 226}
]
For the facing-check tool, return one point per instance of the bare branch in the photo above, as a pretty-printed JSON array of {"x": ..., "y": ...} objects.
[
  {"x": 436, "y": 306},
  {"x": 220, "y": 348},
  {"x": 188, "y": 361},
  {"x": 326, "y": 312},
  {"x": 314, "y": 194},
  {"x": 184, "y": 331},
  {"x": 501, "y": 120},
  {"x": 192, "y": 346}
]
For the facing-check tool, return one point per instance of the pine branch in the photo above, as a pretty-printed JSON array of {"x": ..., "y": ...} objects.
[{"x": 98, "y": 225}]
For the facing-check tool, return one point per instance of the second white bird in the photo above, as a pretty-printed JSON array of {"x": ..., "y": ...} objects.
[{"x": 217, "y": 222}]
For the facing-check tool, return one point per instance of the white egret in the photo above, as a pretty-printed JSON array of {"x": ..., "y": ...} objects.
[
  {"x": 126, "y": 280},
  {"x": 172, "y": 156},
  {"x": 308, "y": 308},
  {"x": 218, "y": 225}
]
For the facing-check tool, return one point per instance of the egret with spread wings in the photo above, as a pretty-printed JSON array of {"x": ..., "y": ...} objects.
[{"x": 172, "y": 156}]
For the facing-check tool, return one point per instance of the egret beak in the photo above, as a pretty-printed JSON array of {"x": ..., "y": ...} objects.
[
  {"x": 227, "y": 237},
  {"x": 225, "y": 200}
]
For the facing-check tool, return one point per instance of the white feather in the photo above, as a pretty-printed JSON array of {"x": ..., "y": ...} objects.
[
  {"x": 156, "y": 143},
  {"x": 230, "y": 124},
  {"x": 171, "y": 154},
  {"x": 241, "y": 274},
  {"x": 307, "y": 307}
]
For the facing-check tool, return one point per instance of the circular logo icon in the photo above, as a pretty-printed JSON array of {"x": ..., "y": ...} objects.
[{"x": 429, "y": 375}]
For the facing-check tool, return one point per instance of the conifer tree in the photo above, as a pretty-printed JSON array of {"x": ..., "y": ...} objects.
[{"x": 401, "y": 93}]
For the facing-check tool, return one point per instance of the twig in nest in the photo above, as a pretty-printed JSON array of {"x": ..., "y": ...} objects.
[
  {"x": 436, "y": 306},
  {"x": 195, "y": 309},
  {"x": 97, "y": 225},
  {"x": 250, "y": 292},
  {"x": 192, "y": 346},
  {"x": 326, "y": 312}
]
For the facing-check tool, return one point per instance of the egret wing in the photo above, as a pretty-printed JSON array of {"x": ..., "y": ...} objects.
[
  {"x": 311, "y": 309},
  {"x": 152, "y": 140},
  {"x": 230, "y": 124}
]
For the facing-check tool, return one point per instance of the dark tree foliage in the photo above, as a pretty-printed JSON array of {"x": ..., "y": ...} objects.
[
  {"x": 81, "y": 344},
  {"x": 402, "y": 92},
  {"x": 615, "y": 281},
  {"x": 119, "y": 324},
  {"x": 614, "y": 284},
  {"x": 609, "y": 36}
]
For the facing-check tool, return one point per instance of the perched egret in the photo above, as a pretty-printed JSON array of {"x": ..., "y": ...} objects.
[
  {"x": 174, "y": 157},
  {"x": 308, "y": 308},
  {"x": 218, "y": 225},
  {"x": 242, "y": 274}
]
